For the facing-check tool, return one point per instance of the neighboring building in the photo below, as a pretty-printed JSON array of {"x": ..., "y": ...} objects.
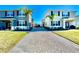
[
  {"x": 62, "y": 20},
  {"x": 15, "y": 20}
]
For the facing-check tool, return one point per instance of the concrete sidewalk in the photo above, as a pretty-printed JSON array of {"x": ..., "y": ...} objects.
[{"x": 42, "y": 42}]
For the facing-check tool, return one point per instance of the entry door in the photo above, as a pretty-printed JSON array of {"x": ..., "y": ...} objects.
[
  {"x": 8, "y": 25},
  {"x": 67, "y": 25}
]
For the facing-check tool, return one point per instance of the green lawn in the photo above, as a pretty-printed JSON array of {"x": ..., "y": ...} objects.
[
  {"x": 9, "y": 38},
  {"x": 72, "y": 35}
]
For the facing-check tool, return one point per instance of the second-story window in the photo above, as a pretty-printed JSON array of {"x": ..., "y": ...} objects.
[
  {"x": 65, "y": 14},
  {"x": 9, "y": 14},
  {"x": 21, "y": 13}
]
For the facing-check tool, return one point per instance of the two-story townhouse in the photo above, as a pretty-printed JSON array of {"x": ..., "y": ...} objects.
[
  {"x": 62, "y": 20},
  {"x": 15, "y": 20}
]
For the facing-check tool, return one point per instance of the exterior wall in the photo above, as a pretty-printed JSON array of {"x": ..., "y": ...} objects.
[
  {"x": 72, "y": 14},
  {"x": 47, "y": 22},
  {"x": 48, "y": 13},
  {"x": 72, "y": 23},
  {"x": 29, "y": 20},
  {"x": 77, "y": 21}
]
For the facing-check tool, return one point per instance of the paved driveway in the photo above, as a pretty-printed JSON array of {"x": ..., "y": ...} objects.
[
  {"x": 39, "y": 29},
  {"x": 42, "y": 42}
]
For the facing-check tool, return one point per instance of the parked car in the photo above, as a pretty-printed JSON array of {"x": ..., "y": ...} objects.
[{"x": 72, "y": 27}]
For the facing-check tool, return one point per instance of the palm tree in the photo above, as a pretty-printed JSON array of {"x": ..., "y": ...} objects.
[
  {"x": 26, "y": 11},
  {"x": 52, "y": 16}
]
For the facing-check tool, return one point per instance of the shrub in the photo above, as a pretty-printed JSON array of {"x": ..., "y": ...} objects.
[{"x": 77, "y": 27}]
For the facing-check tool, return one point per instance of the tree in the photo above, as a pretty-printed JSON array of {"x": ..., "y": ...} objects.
[
  {"x": 52, "y": 16},
  {"x": 26, "y": 11}
]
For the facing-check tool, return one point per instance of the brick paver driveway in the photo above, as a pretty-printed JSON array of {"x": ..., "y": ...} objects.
[{"x": 44, "y": 41}]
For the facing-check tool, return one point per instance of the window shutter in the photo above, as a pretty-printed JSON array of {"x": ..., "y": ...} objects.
[
  {"x": 51, "y": 12},
  {"x": 68, "y": 13},
  {"x": 58, "y": 13}
]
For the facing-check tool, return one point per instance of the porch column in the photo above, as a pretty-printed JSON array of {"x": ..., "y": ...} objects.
[
  {"x": 12, "y": 28},
  {"x": 61, "y": 13},
  {"x": 64, "y": 24}
]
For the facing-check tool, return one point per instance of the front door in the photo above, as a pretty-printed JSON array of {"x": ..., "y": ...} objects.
[
  {"x": 67, "y": 25},
  {"x": 8, "y": 25}
]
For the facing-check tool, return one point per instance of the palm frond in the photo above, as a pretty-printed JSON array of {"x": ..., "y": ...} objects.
[
  {"x": 26, "y": 11},
  {"x": 52, "y": 16}
]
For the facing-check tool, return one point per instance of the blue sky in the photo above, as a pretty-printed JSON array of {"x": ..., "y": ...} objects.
[{"x": 38, "y": 11}]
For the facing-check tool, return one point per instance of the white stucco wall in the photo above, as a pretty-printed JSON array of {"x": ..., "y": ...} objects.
[
  {"x": 77, "y": 21},
  {"x": 47, "y": 22},
  {"x": 72, "y": 23},
  {"x": 29, "y": 18},
  {"x": 72, "y": 14}
]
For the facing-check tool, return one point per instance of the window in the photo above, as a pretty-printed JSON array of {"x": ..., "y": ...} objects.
[
  {"x": 66, "y": 14},
  {"x": 51, "y": 23},
  {"x": 9, "y": 14},
  {"x": 55, "y": 23},
  {"x": 21, "y": 23},
  {"x": 21, "y": 13}
]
